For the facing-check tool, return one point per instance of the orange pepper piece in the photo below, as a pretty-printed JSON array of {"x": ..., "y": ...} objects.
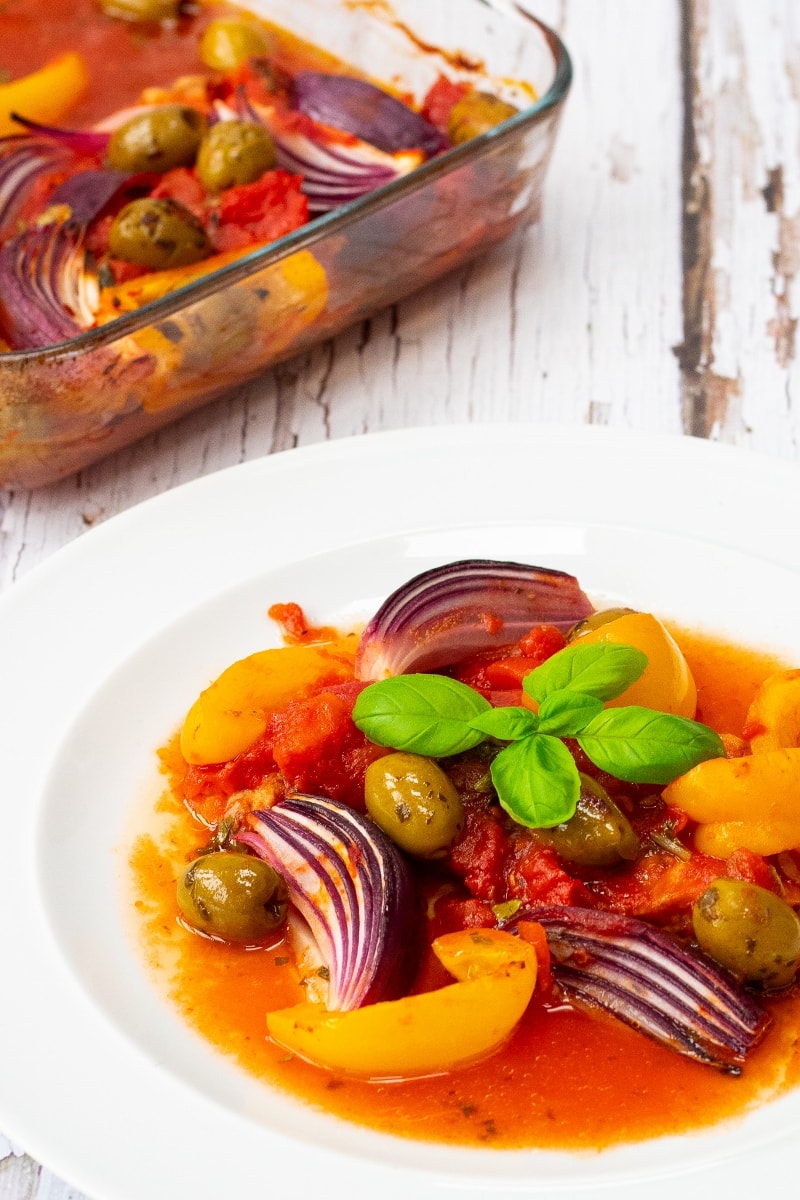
[
  {"x": 232, "y": 712},
  {"x": 773, "y": 719},
  {"x": 742, "y": 803},
  {"x": 46, "y": 95},
  {"x": 667, "y": 684},
  {"x": 427, "y": 1033}
]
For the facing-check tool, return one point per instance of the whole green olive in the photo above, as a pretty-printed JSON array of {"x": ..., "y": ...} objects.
[
  {"x": 474, "y": 114},
  {"x": 414, "y": 802},
  {"x": 141, "y": 10},
  {"x": 158, "y": 234},
  {"x": 596, "y": 620},
  {"x": 157, "y": 139},
  {"x": 749, "y": 930},
  {"x": 598, "y": 834},
  {"x": 228, "y": 42},
  {"x": 233, "y": 896},
  {"x": 233, "y": 153}
]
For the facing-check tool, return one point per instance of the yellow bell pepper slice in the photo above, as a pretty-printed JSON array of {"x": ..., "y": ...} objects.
[
  {"x": 236, "y": 331},
  {"x": 135, "y": 293},
  {"x": 773, "y": 719},
  {"x": 232, "y": 712},
  {"x": 298, "y": 274},
  {"x": 46, "y": 95},
  {"x": 424, "y": 1034},
  {"x": 749, "y": 802},
  {"x": 667, "y": 684}
]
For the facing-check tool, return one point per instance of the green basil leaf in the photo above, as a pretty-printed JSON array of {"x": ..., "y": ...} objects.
[
  {"x": 643, "y": 746},
  {"x": 566, "y": 713},
  {"x": 603, "y": 670},
  {"x": 426, "y": 714},
  {"x": 508, "y": 724},
  {"x": 537, "y": 781}
]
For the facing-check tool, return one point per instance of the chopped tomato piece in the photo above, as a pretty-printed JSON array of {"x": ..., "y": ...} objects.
[
  {"x": 296, "y": 627},
  {"x": 536, "y": 876},
  {"x": 440, "y": 100},
  {"x": 659, "y": 886},
  {"x": 504, "y": 667},
  {"x": 459, "y": 912},
  {"x": 745, "y": 864},
  {"x": 182, "y": 185},
  {"x": 509, "y": 672},
  {"x": 258, "y": 212},
  {"x": 318, "y": 748},
  {"x": 534, "y": 933},
  {"x": 479, "y": 853},
  {"x": 542, "y": 643}
]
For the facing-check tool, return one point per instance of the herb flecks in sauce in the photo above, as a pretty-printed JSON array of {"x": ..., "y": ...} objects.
[{"x": 565, "y": 1080}]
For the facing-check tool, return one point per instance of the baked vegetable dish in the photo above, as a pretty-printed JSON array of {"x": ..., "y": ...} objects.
[{"x": 500, "y": 867}]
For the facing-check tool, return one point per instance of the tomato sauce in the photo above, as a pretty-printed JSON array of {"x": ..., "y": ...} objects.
[
  {"x": 123, "y": 57},
  {"x": 566, "y": 1079}
]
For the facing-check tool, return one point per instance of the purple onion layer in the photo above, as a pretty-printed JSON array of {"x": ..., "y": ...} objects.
[
  {"x": 642, "y": 976},
  {"x": 46, "y": 286},
  {"x": 22, "y": 160},
  {"x": 446, "y": 614},
  {"x": 350, "y": 884},
  {"x": 360, "y": 108},
  {"x": 88, "y": 192}
]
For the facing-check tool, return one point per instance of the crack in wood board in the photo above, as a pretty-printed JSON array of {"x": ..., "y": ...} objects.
[
  {"x": 695, "y": 354},
  {"x": 741, "y": 221}
]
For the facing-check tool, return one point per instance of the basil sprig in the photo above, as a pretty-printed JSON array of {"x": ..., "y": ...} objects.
[{"x": 535, "y": 776}]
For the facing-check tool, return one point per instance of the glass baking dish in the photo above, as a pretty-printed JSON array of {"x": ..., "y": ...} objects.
[{"x": 66, "y": 406}]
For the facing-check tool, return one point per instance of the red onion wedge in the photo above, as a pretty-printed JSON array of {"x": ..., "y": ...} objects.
[
  {"x": 22, "y": 160},
  {"x": 335, "y": 169},
  {"x": 89, "y": 143},
  {"x": 48, "y": 287},
  {"x": 351, "y": 885},
  {"x": 87, "y": 193},
  {"x": 643, "y": 977},
  {"x": 360, "y": 108},
  {"x": 442, "y": 616},
  {"x": 334, "y": 173}
]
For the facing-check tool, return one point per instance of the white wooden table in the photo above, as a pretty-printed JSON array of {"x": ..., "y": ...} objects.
[{"x": 658, "y": 293}]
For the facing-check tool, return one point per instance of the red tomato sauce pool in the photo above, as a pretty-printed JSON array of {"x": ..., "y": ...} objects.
[
  {"x": 565, "y": 1080},
  {"x": 123, "y": 57}
]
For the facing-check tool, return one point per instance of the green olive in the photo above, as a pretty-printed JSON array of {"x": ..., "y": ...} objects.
[
  {"x": 157, "y": 139},
  {"x": 233, "y": 153},
  {"x": 158, "y": 234},
  {"x": 474, "y": 114},
  {"x": 141, "y": 10},
  {"x": 596, "y": 620},
  {"x": 749, "y": 930},
  {"x": 233, "y": 896},
  {"x": 598, "y": 835},
  {"x": 414, "y": 802},
  {"x": 226, "y": 43}
]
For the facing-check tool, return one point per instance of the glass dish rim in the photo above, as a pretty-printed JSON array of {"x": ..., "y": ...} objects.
[{"x": 320, "y": 227}]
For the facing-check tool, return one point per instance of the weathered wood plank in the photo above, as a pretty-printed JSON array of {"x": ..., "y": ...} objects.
[
  {"x": 573, "y": 320},
  {"x": 740, "y": 369}
]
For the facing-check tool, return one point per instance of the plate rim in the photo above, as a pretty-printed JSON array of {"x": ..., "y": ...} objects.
[{"x": 153, "y": 519}]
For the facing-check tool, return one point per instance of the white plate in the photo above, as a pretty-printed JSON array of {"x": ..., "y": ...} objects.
[{"x": 104, "y": 647}]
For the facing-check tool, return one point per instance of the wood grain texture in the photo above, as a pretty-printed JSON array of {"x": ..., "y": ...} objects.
[
  {"x": 573, "y": 320},
  {"x": 743, "y": 204},
  {"x": 649, "y": 295}
]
